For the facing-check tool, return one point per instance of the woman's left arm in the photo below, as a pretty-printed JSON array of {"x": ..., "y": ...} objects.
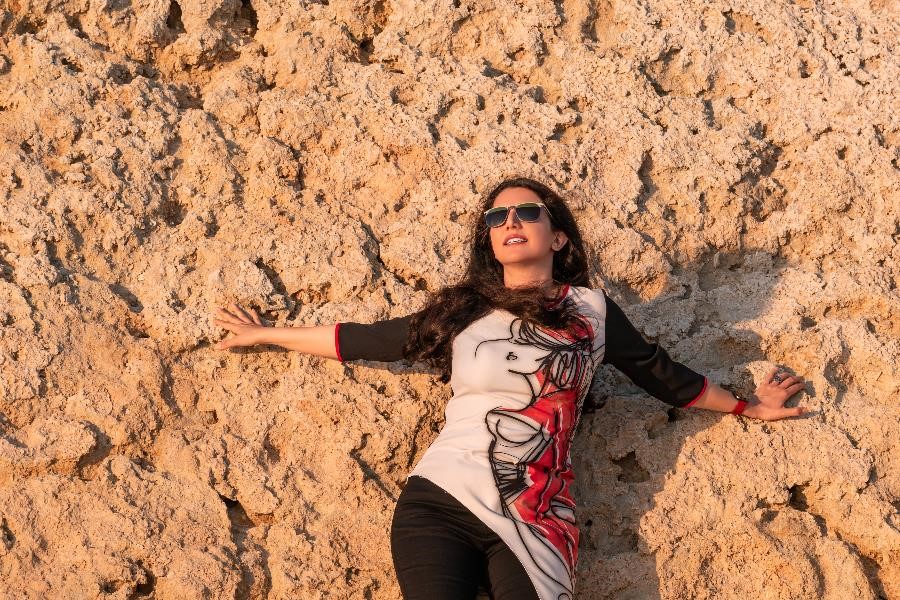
[
  {"x": 767, "y": 403},
  {"x": 650, "y": 366}
]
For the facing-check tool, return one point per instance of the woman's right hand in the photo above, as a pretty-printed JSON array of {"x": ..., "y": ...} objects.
[{"x": 245, "y": 324}]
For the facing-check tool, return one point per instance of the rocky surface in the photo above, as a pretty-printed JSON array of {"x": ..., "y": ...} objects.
[{"x": 735, "y": 170}]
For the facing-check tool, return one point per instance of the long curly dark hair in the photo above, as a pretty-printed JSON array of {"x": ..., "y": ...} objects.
[{"x": 452, "y": 308}]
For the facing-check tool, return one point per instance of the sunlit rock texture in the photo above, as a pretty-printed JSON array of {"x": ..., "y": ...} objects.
[{"x": 734, "y": 169}]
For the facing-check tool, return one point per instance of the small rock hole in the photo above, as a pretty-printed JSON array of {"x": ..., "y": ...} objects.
[{"x": 173, "y": 21}]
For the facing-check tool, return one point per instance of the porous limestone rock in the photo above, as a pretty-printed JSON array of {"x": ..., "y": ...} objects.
[{"x": 734, "y": 170}]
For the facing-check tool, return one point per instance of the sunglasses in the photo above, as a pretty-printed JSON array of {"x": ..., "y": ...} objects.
[{"x": 527, "y": 211}]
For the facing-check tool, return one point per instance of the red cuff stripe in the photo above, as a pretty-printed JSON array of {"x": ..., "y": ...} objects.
[
  {"x": 337, "y": 345},
  {"x": 703, "y": 389}
]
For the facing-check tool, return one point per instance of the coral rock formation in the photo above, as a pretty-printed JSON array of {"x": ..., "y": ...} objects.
[{"x": 734, "y": 169}]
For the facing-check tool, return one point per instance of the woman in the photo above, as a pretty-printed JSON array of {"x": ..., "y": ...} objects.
[{"x": 519, "y": 339}]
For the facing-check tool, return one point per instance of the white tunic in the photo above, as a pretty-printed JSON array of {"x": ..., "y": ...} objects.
[{"x": 504, "y": 449}]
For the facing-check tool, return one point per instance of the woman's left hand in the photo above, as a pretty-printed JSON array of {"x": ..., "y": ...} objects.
[{"x": 771, "y": 396}]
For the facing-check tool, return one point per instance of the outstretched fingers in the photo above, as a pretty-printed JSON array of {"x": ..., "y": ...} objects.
[
  {"x": 791, "y": 390},
  {"x": 794, "y": 411},
  {"x": 226, "y": 317},
  {"x": 256, "y": 318},
  {"x": 774, "y": 413},
  {"x": 789, "y": 381},
  {"x": 250, "y": 315},
  {"x": 234, "y": 320},
  {"x": 242, "y": 314},
  {"x": 237, "y": 314}
]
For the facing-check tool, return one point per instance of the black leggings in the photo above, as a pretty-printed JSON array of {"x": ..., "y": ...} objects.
[{"x": 442, "y": 551}]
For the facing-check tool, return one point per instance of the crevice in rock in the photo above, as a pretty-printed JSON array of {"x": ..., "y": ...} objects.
[
  {"x": 648, "y": 187},
  {"x": 211, "y": 228},
  {"x": 110, "y": 587},
  {"x": 166, "y": 391},
  {"x": 349, "y": 573},
  {"x": 366, "y": 48},
  {"x": 414, "y": 446},
  {"x": 173, "y": 20},
  {"x": 490, "y": 70},
  {"x": 768, "y": 514},
  {"x": 368, "y": 471},
  {"x": 6, "y": 270},
  {"x": 7, "y": 539},
  {"x": 209, "y": 417},
  {"x": 237, "y": 515},
  {"x": 103, "y": 447},
  {"x": 309, "y": 296},
  {"x": 142, "y": 589},
  {"x": 656, "y": 71},
  {"x": 709, "y": 115},
  {"x": 241, "y": 523},
  {"x": 380, "y": 12},
  {"x": 589, "y": 24},
  {"x": 366, "y": 45},
  {"x": 435, "y": 134},
  {"x": 26, "y": 25},
  {"x": 170, "y": 210},
  {"x": 272, "y": 453},
  {"x": 71, "y": 65},
  {"x": 248, "y": 13},
  {"x": 797, "y": 497},
  {"x": 63, "y": 272},
  {"x": 807, "y": 322},
  {"x": 134, "y": 304},
  {"x": 42, "y": 383},
  {"x": 834, "y": 373},
  {"x": 560, "y": 12},
  {"x": 417, "y": 283},
  {"x": 189, "y": 96},
  {"x": 769, "y": 159},
  {"x": 799, "y": 500},
  {"x": 74, "y": 22},
  {"x": 276, "y": 281},
  {"x": 145, "y": 589},
  {"x": 176, "y": 304},
  {"x": 632, "y": 471}
]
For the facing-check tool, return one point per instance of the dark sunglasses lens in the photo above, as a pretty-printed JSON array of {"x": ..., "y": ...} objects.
[
  {"x": 528, "y": 212},
  {"x": 496, "y": 216}
]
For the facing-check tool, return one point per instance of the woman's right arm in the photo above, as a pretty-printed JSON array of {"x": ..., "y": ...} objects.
[
  {"x": 382, "y": 340},
  {"x": 343, "y": 341}
]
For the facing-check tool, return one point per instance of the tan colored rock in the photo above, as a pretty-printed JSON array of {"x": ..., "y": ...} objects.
[{"x": 734, "y": 170}]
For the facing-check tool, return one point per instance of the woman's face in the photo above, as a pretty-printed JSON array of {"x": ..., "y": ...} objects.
[{"x": 537, "y": 240}]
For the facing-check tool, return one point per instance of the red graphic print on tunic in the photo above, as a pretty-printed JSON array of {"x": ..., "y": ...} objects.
[
  {"x": 550, "y": 475},
  {"x": 529, "y": 453}
]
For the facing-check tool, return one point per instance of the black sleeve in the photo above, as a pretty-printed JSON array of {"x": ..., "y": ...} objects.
[
  {"x": 382, "y": 340},
  {"x": 648, "y": 365}
]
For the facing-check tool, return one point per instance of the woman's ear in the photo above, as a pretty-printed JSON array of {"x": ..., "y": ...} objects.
[{"x": 559, "y": 240}]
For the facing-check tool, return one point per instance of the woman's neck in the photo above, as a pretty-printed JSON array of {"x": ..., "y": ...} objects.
[
  {"x": 526, "y": 278},
  {"x": 551, "y": 288}
]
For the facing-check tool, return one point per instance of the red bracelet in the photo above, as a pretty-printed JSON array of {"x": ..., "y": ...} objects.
[{"x": 739, "y": 407}]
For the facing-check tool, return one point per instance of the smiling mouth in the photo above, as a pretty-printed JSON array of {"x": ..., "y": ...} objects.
[{"x": 515, "y": 240}]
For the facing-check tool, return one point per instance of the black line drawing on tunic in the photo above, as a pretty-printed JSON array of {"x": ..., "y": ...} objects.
[{"x": 529, "y": 451}]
